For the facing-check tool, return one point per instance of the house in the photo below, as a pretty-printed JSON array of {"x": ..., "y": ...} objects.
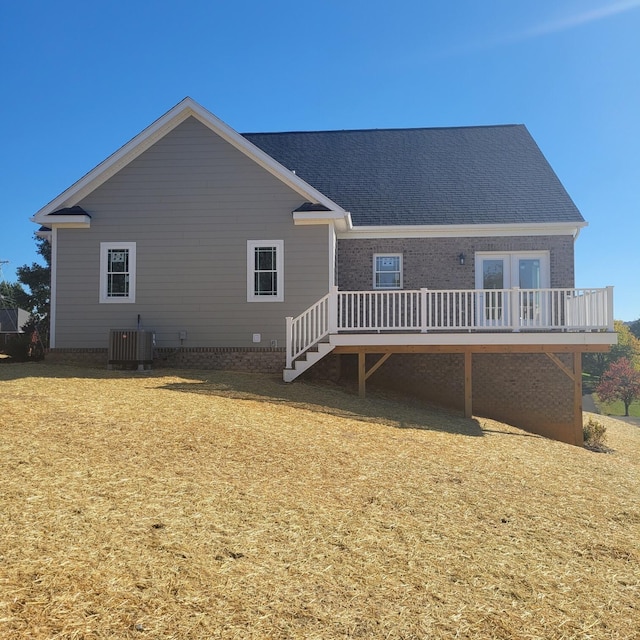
[
  {"x": 12, "y": 319},
  {"x": 439, "y": 260}
]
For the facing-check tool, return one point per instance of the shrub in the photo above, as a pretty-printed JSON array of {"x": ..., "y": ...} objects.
[
  {"x": 595, "y": 434},
  {"x": 18, "y": 347}
]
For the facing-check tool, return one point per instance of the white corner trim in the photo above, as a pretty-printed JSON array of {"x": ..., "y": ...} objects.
[
  {"x": 332, "y": 255},
  {"x": 175, "y": 116},
  {"x": 54, "y": 287},
  {"x": 465, "y": 231}
]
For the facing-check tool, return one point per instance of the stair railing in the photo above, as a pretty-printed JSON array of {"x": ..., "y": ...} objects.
[{"x": 310, "y": 326}]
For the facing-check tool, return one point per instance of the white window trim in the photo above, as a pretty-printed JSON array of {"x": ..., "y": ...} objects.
[
  {"x": 104, "y": 252},
  {"x": 279, "y": 246},
  {"x": 388, "y": 255},
  {"x": 512, "y": 257}
]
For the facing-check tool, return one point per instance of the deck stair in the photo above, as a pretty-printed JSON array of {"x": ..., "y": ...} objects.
[{"x": 307, "y": 360}]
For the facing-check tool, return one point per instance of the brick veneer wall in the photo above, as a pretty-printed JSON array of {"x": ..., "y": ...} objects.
[
  {"x": 80, "y": 357},
  {"x": 526, "y": 390},
  {"x": 433, "y": 262},
  {"x": 256, "y": 360}
]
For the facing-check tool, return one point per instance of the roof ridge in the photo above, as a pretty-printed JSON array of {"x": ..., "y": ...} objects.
[{"x": 371, "y": 130}]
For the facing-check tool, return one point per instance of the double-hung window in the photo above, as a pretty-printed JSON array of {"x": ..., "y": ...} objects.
[
  {"x": 387, "y": 271},
  {"x": 265, "y": 270},
  {"x": 117, "y": 272}
]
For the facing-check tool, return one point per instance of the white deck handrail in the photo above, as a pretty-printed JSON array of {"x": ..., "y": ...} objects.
[
  {"x": 308, "y": 328},
  {"x": 476, "y": 309},
  {"x": 423, "y": 310}
]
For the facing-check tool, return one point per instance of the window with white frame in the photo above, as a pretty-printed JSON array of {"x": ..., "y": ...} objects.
[
  {"x": 387, "y": 271},
  {"x": 117, "y": 272},
  {"x": 265, "y": 270}
]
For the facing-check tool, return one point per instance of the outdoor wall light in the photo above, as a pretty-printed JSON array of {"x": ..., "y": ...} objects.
[{"x": 461, "y": 258}]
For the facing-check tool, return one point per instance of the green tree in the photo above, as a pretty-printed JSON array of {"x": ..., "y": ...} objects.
[
  {"x": 13, "y": 295},
  {"x": 37, "y": 280},
  {"x": 634, "y": 327},
  {"x": 621, "y": 381},
  {"x": 628, "y": 347}
]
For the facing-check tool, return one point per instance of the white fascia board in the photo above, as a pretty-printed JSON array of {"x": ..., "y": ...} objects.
[
  {"x": 66, "y": 222},
  {"x": 341, "y": 219},
  {"x": 175, "y": 116},
  {"x": 465, "y": 230},
  {"x": 470, "y": 339}
]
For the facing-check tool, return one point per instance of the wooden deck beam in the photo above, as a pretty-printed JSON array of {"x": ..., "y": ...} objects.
[
  {"x": 479, "y": 348},
  {"x": 568, "y": 372},
  {"x": 363, "y": 374},
  {"x": 577, "y": 399}
]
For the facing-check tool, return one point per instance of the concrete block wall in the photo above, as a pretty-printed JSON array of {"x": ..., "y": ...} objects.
[{"x": 433, "y": 262}]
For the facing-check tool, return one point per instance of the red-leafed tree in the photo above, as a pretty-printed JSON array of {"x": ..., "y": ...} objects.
[{"x": 620, "y": 382}]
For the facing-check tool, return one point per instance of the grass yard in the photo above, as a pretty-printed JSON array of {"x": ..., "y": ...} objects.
[
  {"x": 617, "y": 408},
  {"x": 219, "y": 505}
]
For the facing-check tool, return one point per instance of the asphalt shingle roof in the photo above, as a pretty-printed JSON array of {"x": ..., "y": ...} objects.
[{"x": 459, "y": 175}]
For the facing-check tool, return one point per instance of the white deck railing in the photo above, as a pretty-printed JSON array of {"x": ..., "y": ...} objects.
[
  {"x": 427, "y": 310},
  {"x": 476, "y": 309},
  {"x": 309, "y": 327}
]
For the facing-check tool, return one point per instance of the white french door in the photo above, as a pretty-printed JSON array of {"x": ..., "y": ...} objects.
[{"x": 497, "y": 274}]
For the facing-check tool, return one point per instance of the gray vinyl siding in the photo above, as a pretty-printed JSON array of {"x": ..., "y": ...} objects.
[{"x": 190, "y": 203}]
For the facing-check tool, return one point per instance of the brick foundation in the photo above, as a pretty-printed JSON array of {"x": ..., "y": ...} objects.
[
  {"x": 526, "y": 390},
  {"x": 247, "y": 359}
]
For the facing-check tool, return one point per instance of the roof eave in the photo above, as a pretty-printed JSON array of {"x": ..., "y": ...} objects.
[
  {"x": 341, "y": 219},
  {"x": 63, "y": 222},
  {"x": 468, "y": 230}
]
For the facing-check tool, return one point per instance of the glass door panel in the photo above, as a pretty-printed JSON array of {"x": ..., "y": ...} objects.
[
  {"x": 529, "y": 277},
  {"x": 495, "y": 278}
]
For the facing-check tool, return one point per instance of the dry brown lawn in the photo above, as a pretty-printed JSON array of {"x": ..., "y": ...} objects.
[{"x": 218, "y": 505}]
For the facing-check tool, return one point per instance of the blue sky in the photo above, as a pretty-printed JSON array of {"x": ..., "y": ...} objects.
[{"x": 79, "y": 79}]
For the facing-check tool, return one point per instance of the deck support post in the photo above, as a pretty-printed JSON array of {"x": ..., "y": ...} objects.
[
  {"x": 577, "y": 398},
  {"x": 363, "y": 374},
  {"x": 575, "y": 375},
  {"x": 468, "y": 387},
  {"x": 362, "y": 368}
]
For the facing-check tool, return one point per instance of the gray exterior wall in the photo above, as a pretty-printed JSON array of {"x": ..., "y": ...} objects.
[
  {"x": 190, "y": 203},
  {"x": 433, "y": 262}
]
